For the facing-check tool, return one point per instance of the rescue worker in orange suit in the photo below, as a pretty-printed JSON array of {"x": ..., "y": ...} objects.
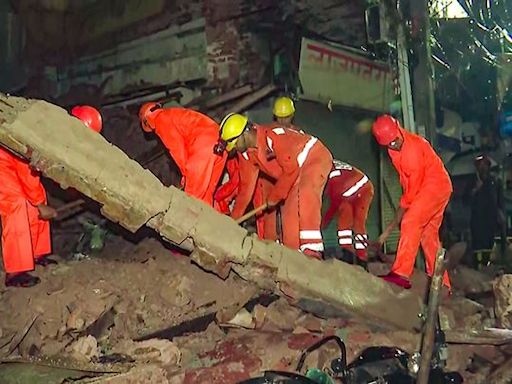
[
  {"x": 304, "y": 164},
  {"x": 92, "y": 119},
  {"x": 246, "y": 183},
  {"x": 426, "y": 191},
  {"x": 90, "y": 116},
  {"x": 190, "y": 138},
  {"x": 25, "y": 216},
  {"x": 350, "y": 193},
  {"x": 284, "y": 112},
  {"x": 258, "y": 187},
  {"x": 227, "y": 192}
]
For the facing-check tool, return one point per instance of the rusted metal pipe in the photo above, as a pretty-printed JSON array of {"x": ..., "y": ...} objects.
[{"x": 427, "y": 343}]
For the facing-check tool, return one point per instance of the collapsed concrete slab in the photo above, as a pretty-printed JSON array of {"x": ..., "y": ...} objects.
[{"x": 63, "y": 149}]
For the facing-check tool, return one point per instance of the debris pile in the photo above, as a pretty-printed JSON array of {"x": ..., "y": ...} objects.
[{"x": 143, "y": 313}]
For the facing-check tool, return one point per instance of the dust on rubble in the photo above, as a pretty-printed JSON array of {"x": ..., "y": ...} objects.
[
  {"x": 125, "y": 292},
  {"x": 93, "y": 311}
]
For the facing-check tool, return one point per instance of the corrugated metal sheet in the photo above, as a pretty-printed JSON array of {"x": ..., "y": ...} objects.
[
  {"x": 175, "y": 54},
  {"x": 389, "y": 197}
]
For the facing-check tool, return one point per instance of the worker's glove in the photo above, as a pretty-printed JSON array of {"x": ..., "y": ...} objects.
[{"x": 46, "y": 212}]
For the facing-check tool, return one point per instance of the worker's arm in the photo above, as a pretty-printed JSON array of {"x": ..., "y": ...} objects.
[
  {"x": 416, "y": 160},
  {"x": 248, "y": 172},
  {"x": 290, "y": 167},
  {"x": 413, "y": 181},
  {"x": 166, "y": 127},
  {"x": 30, "y": 183},
  {"x": 34, "y": 190},
  {"x": 399, "y": 214},
  {"x": 227, "y": 189}
]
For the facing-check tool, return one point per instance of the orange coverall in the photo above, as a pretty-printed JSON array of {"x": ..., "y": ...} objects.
[
  {"x": 25, "y": 237},
  {"x": 426, "y": 191},
  {"x": 247, "y": 184},
  {"x": 227, "y": 192},
  {"x": 257, "y": 186},
  {"x": 190, "y": 138},
  {"x": 303, "y": 165},
  {"x": 350, "y": 193}
]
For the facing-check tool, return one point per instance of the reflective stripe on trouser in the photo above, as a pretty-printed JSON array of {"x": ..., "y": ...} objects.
[
  {"x": 345, "y": 238},
  {"x": 353, "y": 213},
  {"x": 301, "y": 210},
  {"x": 25, "y": 237},
  {"x": 311, "y": 239},
  {"x": 420, "y": 225},
  {"x": 361, "y": 244}
]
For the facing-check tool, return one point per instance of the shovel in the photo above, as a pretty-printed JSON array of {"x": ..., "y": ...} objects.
[{"x": 251, "y": 213}]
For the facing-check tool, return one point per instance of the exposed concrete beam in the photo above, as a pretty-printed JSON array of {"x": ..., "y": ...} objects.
[{"x": 63, "y": 149}]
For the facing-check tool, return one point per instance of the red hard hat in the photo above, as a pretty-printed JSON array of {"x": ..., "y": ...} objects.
[
  {"x": 147, "y": 115},
  {"x": 90, "y": 116},
  {"x": 385, "y": 129}
]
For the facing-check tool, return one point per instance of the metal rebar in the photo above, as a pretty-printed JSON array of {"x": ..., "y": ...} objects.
[{"x": 427, "y": 343}]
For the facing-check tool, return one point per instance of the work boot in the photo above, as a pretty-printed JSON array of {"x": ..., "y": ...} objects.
[
  {"x": 401, "y": 281},
  {"x": 45, "y": 261},
  {"x": 362, "y": 263},
  {"x": 23, "y": 280}
]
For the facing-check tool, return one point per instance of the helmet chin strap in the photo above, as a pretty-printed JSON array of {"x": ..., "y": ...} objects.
[{"x": 220, "y": 147}]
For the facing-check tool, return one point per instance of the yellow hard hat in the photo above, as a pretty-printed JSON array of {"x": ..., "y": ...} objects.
[
  {"x": 283, "y": 107},
  {"x": 231, "y": 128}
]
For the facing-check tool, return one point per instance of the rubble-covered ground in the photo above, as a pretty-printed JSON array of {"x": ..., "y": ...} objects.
[{"x": 141, "y": 313}]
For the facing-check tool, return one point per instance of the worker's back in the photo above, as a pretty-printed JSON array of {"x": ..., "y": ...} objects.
[
  {"x": 344, "y": 179},
  {"x": 188, "y": 123},
  {"x": 18, "y": 180}
]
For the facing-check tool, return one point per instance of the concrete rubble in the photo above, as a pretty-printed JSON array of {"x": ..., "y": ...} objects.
[
  {"x": 151, "y": 351},
  {"x": 168, "y": 321},
  {"x": 66, "y": 151},
  {"x": 85, "y": 348},
  {"x": 503, "y": 305}
]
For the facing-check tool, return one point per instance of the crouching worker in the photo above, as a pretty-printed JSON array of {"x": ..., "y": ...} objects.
[
  {"x": 25, "y": 226},
  {"x": 303, "y": 164},
  {"x": 350, "y": 194},
  {"x": 190, "y": 138}
]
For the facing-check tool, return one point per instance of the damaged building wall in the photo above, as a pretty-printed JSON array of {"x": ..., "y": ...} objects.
[
  {"x": 12, "y": 41},
  {"x": 96, "y": 51},
  {"x": 235, "y": 53},
  {"x": 112, "y": 47},
  {"x": 239, "y": 36},
  {"x": 176, "y": 54}
]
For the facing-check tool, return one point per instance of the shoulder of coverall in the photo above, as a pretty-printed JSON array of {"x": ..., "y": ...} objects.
[
  {"x": 187, "y": 118},
  {"x": 345, "y": 167},
  {"x": 414, "y": 138},
  {"x": 277, "y": 130},
  {"x": 275, "y": 124}
]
